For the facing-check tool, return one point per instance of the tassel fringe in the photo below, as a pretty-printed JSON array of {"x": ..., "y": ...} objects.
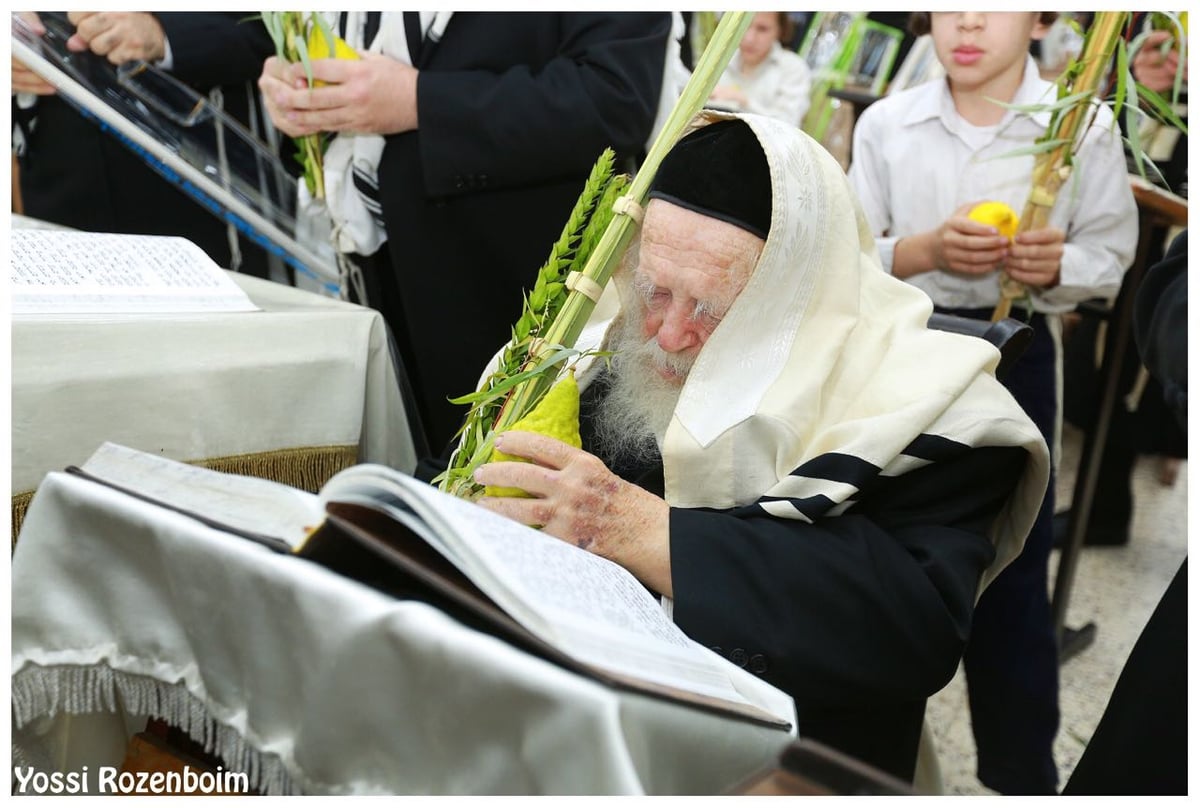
[{"x": 40, "y": 692}]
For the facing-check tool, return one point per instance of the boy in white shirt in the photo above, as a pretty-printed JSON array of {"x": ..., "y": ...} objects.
[
  {"x": 764, "y": 76},
  {"x": 922, "y": 159}
]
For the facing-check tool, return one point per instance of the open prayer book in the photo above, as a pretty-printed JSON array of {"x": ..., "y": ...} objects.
[
  {"x": 397, "y": 534},
  {"x": 56, "y": 272}
]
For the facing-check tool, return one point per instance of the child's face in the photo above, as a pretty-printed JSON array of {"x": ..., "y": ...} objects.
[
  {"x": 759, "y": 38},
  {"x": 977, "y": 47}
]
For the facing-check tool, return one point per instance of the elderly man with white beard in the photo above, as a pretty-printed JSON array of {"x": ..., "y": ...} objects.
[{"x": 816, "y": 483}]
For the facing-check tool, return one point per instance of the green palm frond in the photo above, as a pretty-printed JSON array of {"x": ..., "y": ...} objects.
[{"x": 542, "y": 305}]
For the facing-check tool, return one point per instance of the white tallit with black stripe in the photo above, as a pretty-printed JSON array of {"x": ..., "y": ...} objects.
[
  {"x": 352, "y": 159},
  {"x": 823, "y": 375}
]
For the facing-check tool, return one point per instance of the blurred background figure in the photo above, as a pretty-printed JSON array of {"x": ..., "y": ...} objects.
[
  {"x": 765, "y": 76},
  {"x": 72, "y": 173},
  {"x": 1062, "y": 43},
  {"x": 1140, "y": 745}
]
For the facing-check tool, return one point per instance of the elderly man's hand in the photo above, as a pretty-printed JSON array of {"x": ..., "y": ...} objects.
[
  {"x": 25, "y": 80},
  {"x": 119, "y": 35},
  {"x": 577, "y": 499},
  {"x": 1154, "y": 69},
  {"x": 375, "y": 94},
  {"x": 1036, "y": 257}
]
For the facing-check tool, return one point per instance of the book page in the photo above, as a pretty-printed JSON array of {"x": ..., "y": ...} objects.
[
  {"x": 70, "y": 272},
  {"x": 597, "y": 610},
  {"x": 587, "y": 606},
  {"x": 249, "y": 504}
]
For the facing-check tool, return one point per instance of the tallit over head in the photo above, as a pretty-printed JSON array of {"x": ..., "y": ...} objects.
[{"x": 824, "y": 355}]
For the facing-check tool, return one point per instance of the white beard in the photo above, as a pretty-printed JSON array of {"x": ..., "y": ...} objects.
[{"x": 632, "y": 421}]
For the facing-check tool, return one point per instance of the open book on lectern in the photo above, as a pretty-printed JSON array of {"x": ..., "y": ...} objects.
[
  {"x": 404, "y": 537},
  {"x": 193, "y": 145}
]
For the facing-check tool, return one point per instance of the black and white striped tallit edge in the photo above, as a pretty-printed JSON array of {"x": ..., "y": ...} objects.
[
  {"x": 367, "y": 186},
  {"x": 367, "y": 183},
  {"x": 827, "y": 485}
]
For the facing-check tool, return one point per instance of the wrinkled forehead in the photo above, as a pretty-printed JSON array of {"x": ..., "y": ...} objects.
[{"x": 677, "y": 240}]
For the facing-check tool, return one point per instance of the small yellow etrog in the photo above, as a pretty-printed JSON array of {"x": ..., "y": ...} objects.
[
  {"x": 998, "y": 215},
  {"x": 318, "y": 48}
]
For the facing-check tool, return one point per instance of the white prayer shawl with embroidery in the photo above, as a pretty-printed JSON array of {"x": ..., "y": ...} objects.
[{"x": 823, "y": 374}]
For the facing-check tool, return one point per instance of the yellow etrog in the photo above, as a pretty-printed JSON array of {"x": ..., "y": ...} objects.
[
  {"x": 318, "y": 48},
  {"x": 556, "y": 415},
  {"x": 996, "y": 214}
]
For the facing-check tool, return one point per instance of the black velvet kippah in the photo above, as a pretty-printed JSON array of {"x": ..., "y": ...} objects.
[{"x": 719, "y": 170}]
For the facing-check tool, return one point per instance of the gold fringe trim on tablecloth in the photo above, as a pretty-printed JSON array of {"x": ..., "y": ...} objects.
[
  {"x": 20, "y": 504},
  {"x": 307, "y": 468}
]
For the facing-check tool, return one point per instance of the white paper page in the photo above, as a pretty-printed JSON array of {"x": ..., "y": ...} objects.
[
  {"x": 247, "y": 503},
  {"x": 585, "y": 605},
  {"x": 69, "y": 272}
]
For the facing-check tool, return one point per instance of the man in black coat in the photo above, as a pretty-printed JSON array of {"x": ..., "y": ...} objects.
[
  {"x": 74, "y": 174},
  {"x": 1141, "y": 743},
  {"x": 491, "y": 123},
  {"x": 775, "y": 448}
]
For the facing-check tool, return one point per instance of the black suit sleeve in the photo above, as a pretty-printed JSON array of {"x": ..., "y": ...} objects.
[
  {"x": 528, "y": 123},
  {"x": 211, "y": 49},
  {"x": 869, "y": 608},
  {"x": 1160, "y": 325}
]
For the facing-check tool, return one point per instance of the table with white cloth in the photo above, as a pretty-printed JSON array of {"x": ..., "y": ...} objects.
[
  {"x": 294, "y": 392},
  {"x": 314, "y": 683}
]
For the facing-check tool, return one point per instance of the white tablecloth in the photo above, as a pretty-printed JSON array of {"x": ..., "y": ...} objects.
[
  {"x": 306, "y": 372},
  {"x": 312, "y": 682}
]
